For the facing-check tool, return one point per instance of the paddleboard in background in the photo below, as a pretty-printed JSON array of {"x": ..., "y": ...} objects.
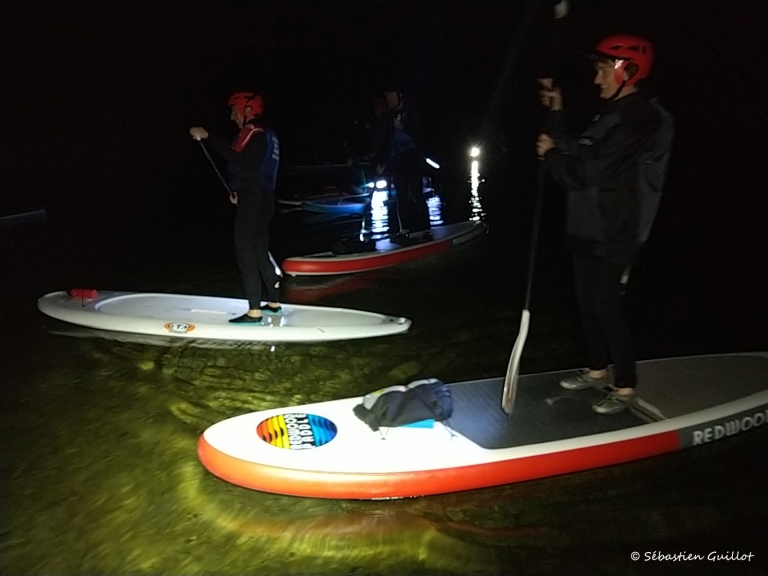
[
  {"x": 323, "y": 450},
  {"x": 332, "y": 193},
  {"x": 24, "y": 218},
  {"x": 207, "y": 317},
  {"x": 321, "y": 168},
  {"x": 337, "y": 205},
  {"x": 320, "y": 220},
  {"x": 386, "y": 252}
]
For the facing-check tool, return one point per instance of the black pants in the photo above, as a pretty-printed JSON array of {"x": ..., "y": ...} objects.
[
  {"x": 411, "y": 203},
  {"x": 598, "y": 292},
  {"x": 252, "y": 251}
]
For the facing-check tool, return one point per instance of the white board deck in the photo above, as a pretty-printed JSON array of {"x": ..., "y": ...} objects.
[
  {"x": 207, "y": 317},
  {"x": 323, "y": 450}
]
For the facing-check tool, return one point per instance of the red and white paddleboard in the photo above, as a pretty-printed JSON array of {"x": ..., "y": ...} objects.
[
  {"x": 323, "y": 450},
  {"x": 387, "y": 252}
]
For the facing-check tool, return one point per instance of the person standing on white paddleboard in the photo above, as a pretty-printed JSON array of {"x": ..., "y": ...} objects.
[
  {"x": 613, "y": 173},
  {"x": 256, "y": 155}
]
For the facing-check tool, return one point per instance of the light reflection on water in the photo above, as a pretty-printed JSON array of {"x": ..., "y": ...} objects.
[
  {"x": 379, "y": 213},
  {"x": 306, "y": 536},
  {"x": 476, "y": 208},
  {"x": 383, "y": 206}
]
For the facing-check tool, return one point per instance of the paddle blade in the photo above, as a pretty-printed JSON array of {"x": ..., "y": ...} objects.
[{"x": 513, "y": 369}]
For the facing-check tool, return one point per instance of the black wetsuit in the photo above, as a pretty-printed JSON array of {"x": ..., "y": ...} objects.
[
  {"x": 401, "y": 154},
  {"x": 254, "y": 158},
  {"x": 613, "y": 173}
]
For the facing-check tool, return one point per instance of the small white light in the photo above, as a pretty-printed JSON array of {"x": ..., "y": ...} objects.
[
  {"x": 381, "y": 184},
  {"x": 432, "y": 163},
  {"x": 370, "y": 185},
  {"x": 474, "y": 152}
]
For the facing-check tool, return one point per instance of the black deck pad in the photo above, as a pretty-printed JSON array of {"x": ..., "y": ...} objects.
[{"x": 543, "y": 412}]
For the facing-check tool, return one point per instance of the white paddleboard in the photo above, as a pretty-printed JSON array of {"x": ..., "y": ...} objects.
[
  {"x": 323, "y": 450},
  {"x": 207, "y": 317}
]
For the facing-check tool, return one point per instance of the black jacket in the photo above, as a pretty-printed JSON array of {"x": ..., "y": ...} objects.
[
  {"x": 613, "y": 173},
  {"x": 253, "y": 159},
  {"x": 396, "y": 144}
]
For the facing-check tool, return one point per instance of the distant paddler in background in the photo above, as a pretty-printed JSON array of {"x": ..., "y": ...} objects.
[{"x": 400, "y": 155}]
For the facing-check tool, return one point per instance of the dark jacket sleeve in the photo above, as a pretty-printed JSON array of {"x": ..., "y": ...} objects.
[
  {"x": 381, "y": 155},
  {"x": 248, "y": 160},
  {"x": 557, "y": 126},
  {"x": 414, "y": 126},
  {"x": 250, "y": 155},
  {"x": 601, "y": 154},
  {"x": 411, "y": 124}
]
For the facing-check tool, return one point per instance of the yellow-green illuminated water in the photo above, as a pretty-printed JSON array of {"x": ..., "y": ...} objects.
[{"x": 100, "y": 473}]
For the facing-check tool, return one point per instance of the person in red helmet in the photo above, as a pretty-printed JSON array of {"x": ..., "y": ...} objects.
[
  {"x": 253, "y": 158},
  {"x": 613, "y": 174}
]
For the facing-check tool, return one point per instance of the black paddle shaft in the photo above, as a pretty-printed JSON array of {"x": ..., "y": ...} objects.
[
  {"x": 540, "y": 177},
  {"x": 216, "y": 168},
  {"x": 561, "y": 8}
]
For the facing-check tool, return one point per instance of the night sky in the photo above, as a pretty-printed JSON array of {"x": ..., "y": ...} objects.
[{"x": 97, "y": 97}]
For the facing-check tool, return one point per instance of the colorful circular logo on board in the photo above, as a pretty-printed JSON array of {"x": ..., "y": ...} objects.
[
  {"x": 296, "y": 431},
  {"x": 179, "y": 327}
]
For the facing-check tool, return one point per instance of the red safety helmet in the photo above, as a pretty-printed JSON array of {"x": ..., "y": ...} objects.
[
  {"x": 242, "y": 99},
  {"x": 625, "y": 49}
]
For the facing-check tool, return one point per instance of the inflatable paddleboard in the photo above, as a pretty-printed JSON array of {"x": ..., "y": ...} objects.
[
  {"x": 24, "y": 218},
  {"x": 208, "y": 317},
  {"x": 386, "y": 252},
  {"x": 337, "y": 206},
  {"x": 332, "y": 194},
  {"x": 323, "y": 450}
]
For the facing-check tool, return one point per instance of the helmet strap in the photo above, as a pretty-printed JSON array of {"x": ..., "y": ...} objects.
[{"x": 618, "y": 91}]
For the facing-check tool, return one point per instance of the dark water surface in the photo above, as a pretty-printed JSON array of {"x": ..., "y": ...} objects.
[{"x": 99, "y": 468}]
